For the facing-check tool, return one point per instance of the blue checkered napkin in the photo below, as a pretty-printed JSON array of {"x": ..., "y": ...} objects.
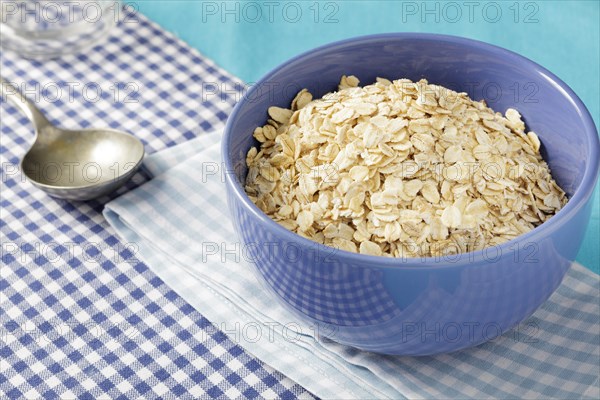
[
  {"x": 80, "y": 316},
  {"x": 180, "y": 221}
]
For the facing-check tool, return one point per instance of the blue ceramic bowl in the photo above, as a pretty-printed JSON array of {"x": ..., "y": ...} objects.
[{"x": 420, "y": 306}]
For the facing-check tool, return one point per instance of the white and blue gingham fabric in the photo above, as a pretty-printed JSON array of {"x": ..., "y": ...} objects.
[
  {"x": 80, "y": 315},
  {"x": 181, "y": 223}
]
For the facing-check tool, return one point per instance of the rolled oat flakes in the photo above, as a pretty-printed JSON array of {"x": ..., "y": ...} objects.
[{"x": 403, "y": 169}]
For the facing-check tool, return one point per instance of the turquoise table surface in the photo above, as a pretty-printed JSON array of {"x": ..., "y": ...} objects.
[{"x": 249, "y": 38}]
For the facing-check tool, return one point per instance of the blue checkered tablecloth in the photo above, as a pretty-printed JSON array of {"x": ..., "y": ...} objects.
[{"x": 80, "y": 315}]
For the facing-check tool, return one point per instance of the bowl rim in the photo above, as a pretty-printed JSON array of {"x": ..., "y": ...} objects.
[{"x": 472, "y": 258}]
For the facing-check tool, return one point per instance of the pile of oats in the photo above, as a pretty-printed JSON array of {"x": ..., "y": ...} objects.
[{"x": 400, "y": 169}]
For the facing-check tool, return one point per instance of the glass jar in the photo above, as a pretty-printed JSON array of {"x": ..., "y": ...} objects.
[{"x": 42, "y": 29}]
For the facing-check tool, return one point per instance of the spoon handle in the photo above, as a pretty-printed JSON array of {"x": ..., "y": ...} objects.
[{"x": 9, "y": 92}]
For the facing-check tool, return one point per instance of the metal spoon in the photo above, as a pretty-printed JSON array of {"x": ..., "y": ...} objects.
[{"x": 75, "y": 164}]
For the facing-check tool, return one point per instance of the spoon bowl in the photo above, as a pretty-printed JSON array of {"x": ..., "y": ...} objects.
[
  {"x": 75, "y": 164},
  {"x": 81, "y": 165}
]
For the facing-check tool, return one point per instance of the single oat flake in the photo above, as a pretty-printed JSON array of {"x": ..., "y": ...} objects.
[{"x": 400, "y": 169}]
